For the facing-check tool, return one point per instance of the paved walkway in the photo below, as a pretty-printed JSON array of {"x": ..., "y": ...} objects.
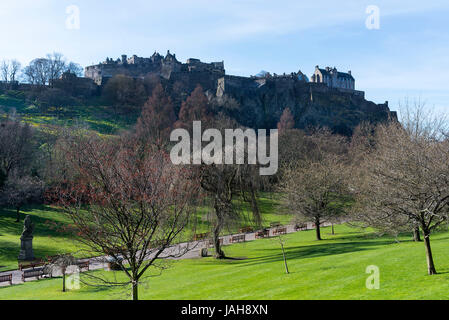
[{"x": 101, "y": 262}]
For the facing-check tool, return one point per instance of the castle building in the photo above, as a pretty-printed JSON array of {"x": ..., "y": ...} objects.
[
  {"x": 212, "y": 76},
  {"x": 333, "y": 78},
  {"x": 139, "y": 67}
]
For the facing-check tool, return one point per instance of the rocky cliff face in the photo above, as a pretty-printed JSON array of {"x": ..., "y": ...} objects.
[{"x": 261, "y": 105}]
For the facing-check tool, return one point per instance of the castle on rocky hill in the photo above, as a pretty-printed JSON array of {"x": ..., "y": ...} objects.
[
  {"x": 328, "y": 99},
  {"x": 211, "y": 76}
]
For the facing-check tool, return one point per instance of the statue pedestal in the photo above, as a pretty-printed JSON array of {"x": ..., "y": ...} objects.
[{"x": 26, "y": 249}]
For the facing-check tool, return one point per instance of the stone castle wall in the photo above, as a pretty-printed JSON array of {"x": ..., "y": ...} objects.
[{"x": 165, "y": 67}]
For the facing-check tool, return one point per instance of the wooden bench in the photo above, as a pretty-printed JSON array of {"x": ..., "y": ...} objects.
[
  {"x": 30, "y": 264},
  {"x": 239, "y": 238},
  {"x": 32, "y": 274},
  {"x": 263, "y": 234},
  {"x": 275, "y": 224},
  {"x": 301, "y": 226},
  {"x": 6, "y": 278},
  {"x": 200, "y": 236},
  {"x": 246, "y": 230},
  {"x": 83, "y": 265},
  {"x": 280, "y": 231}
]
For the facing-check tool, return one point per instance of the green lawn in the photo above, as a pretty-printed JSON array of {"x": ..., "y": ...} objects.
[
  {"x": 48, "y": 237},
  {"x": 49, "y": 240},
  {"x": 330, "y": 269}
]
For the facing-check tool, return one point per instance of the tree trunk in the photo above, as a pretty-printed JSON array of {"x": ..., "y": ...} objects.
[
  {"x": 430, "y": 264},
  {"x": 416, "y": 235},
  {"x": 333, "y": 232},
  {"x": 219, "y": 254},
  {"x": 63, "y": 281},
  {"x": 317, "y": 228},
  {"x": 18, "y": 214},
  {"x": 135, "y": 290}
]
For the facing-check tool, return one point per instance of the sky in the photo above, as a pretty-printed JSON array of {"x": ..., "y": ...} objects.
[{"x": 407, "y": 57}]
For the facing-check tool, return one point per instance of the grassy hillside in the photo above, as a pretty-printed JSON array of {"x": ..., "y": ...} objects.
[
  {"x": 49, "y": 240},
  {"x": 330, "y": 269},
  {"x": 94, "y": 115}
]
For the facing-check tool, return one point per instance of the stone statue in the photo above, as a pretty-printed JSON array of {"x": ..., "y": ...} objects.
[
  {"x": 28, "y": 228},
  {"x": 26, "y": 240}
]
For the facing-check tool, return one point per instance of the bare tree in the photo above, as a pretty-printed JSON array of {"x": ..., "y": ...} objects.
[
  {"x": 56, "y": 65},
  {"x": 223, "y": 183},
  {"x": 4, "y": 70},
  {"x": 74, "y": 68},
  {"x": 21, "y": 190},
  {"x": 404, "y": 181},
  {"x": 15, "y": 147},
  {"x": 294, "y": 146},
  {"x": 228, "y": 186},
  {"x": 127, "y": 206},
  {"x": 314, "y": 188},
  {"x": 38, "y": 72},
  {"x": 42, "y": 71},
  {"x": 15, "y": 67},
  {"x": 9, "y": 70},
  {"x": 363, "y": 144}
]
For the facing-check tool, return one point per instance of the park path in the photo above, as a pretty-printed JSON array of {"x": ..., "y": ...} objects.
[{"x": 98, "y": 263}]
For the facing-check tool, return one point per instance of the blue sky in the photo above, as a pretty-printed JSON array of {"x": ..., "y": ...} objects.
[{"x": 407, "y": 57}]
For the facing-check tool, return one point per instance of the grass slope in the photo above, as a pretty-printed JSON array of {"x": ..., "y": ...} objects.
[
  {"x": 95, "y": 116},
  {"x": 49, "y": 241},
  {"x": 330, "y": 269}
]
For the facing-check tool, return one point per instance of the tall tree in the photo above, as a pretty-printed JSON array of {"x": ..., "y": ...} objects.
[
  {"x": 405, "y": 183},
  {"x": 21, "y": 190},
  {"x": 286, "y": 122},
  {"x": 38, "y": 72},
  {"x": 196, "y": 107},
  {"x": 16, "y": 148},
  {"x": 314, "y": 187},
  {"x": 74, "y": 68},
  {"x": 223, "y": 183},
  {"x": 42, "y": 71},
  {"x": 14, "y": 70},
  {"x": 157, "y": 119},
  {"x": 315, "y": 191},
  {"x": 4, "y": 70},
  {"x": 128, "y": 207},
  {"x": 56, "y": 65}
]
